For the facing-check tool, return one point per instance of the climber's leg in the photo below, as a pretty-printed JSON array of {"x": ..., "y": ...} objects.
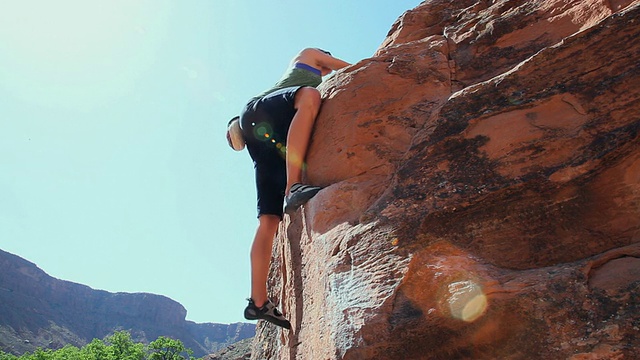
[
  {"x": 260, "y": 307},
  {"x": 307, "y": 104},
  {"x": 261, "y": 257}
]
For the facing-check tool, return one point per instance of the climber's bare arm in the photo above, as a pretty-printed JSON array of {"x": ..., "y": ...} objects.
[{"x": 320, "y": 60}]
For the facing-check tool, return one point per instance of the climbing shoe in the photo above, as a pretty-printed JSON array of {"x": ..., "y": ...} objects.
[
  {"x": 267, "y": 312},
  {"x": 298, "y": 196}
]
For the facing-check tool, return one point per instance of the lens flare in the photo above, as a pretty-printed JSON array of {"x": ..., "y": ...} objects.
[
  {"x": 295, "y": 159},
  {"x": 262, "y": 131},
  {"x": 466, "y": 300}
]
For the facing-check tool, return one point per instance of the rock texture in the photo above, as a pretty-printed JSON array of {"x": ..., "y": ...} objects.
[
  {"x": 41, "y": 311},
  {"x": 237, "y": 351},
  {"x": 482, "y": 197}
]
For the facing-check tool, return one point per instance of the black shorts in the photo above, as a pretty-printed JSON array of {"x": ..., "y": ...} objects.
[{"x": 265, "y": 124}]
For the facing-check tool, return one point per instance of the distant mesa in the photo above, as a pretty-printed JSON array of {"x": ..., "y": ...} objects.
[{"x": 41, "y": 311}]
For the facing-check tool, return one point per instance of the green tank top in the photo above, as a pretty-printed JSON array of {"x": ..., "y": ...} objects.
[{"x": 294, "y": 77}]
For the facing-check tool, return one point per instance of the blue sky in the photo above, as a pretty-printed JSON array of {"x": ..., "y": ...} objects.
[{"x": 114, "y": 169}]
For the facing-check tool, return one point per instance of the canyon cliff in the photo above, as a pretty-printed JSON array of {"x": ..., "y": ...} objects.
[
  {"x": 482, "y": 196},
  {"x": 41, "y": 311}
]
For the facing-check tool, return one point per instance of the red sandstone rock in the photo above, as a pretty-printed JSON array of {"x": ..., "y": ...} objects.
[{"x": 483, "y": 192}]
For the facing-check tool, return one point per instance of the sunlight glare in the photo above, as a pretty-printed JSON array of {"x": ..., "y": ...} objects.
[
  {"x": 64, "y": 33},
  {"x": 467, "y": 301},
  {"x": 58, "y": 51}
]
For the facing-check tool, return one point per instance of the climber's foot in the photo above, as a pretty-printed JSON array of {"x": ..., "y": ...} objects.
[
  {"x": 267, "y": 312},
  {"x": 298, "y": 196}
]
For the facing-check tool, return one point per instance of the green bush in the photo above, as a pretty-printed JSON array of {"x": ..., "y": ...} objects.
[
  {"x": 118, "y": 346},
  {"x": 168, "y": 349},
  {"x": 5, "y": 356}
]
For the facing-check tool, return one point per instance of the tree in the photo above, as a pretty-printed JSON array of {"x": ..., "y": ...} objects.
[
  {"x": 5, "y": 356},
  {"x": 123, "y": 348},
  {"x": 39, "y": 354},
  {"x": 118, "y": 346},
  {"x": 66, "y": 353},
  {"x": 98, "y": 350},
  {"x": 165, "y": 348}
]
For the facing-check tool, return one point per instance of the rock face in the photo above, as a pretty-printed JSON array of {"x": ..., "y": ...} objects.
[
  {"x": 41, "y": 311},
  {"x": 238, "y": 351},
  {"x": 482, "y": 196}
]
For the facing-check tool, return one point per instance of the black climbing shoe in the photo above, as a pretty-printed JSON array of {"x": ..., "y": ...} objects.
[
  {"x": 298, "y": 196},
  {"x": 267, "y": 312}
]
